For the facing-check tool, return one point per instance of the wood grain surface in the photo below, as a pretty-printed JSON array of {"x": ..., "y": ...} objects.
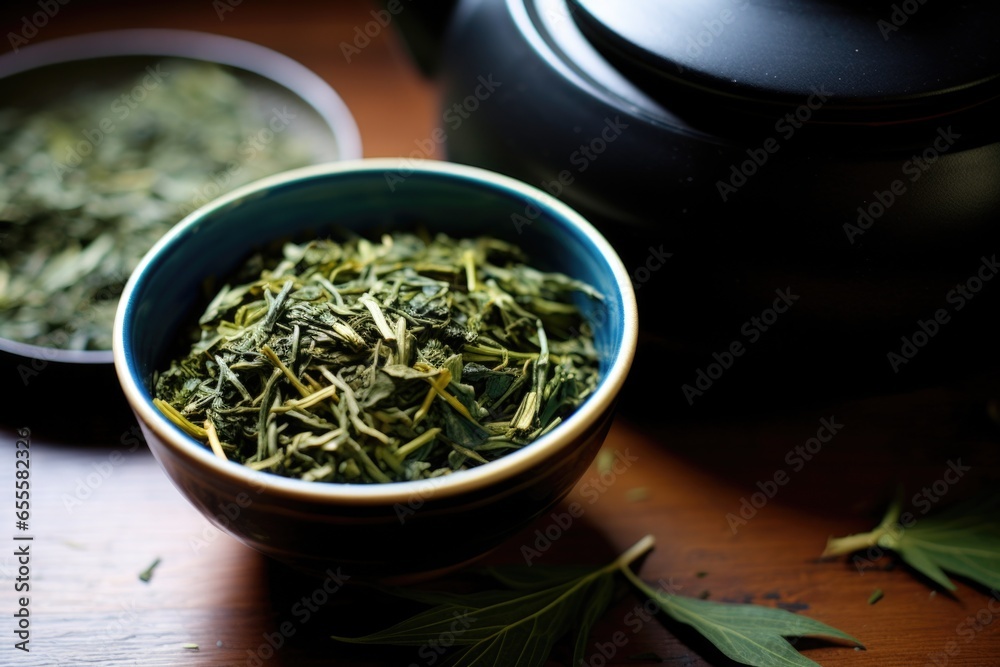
[{"x": 102, "y": 513}]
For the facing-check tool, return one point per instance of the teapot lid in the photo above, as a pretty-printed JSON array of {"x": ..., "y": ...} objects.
[{"x": 873, "y": 62}]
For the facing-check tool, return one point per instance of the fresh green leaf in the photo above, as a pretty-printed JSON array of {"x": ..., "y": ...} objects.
[
  {"x": 456, "y": 600},
  {"x": 749, "y": 634},
  {"x": 963, "y": 540},
  {"x": 518, "y": 631},
  {"x": 603, "y": 593},
  {"x": 520, "y": 625},
  {"x": 518, "y": 577}
]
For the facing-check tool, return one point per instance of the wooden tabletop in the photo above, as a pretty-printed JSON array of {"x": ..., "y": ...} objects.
[{"x": 102, "y": 513}]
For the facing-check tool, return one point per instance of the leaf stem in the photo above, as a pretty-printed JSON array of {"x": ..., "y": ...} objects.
[
  {"x": 213, "y": 440},
  {"x": 633, "y": 552},
  {"x": 273, "y": 358},
  {"x": 838, "y": 546}
]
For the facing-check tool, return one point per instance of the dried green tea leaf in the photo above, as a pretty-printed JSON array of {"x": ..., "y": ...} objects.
[
  {"x": 637, "y": 494},
  {"x": 92, "y": 179},
  {"x": 605, "y": 459},
  {"x": 369, "y": 361},
  {"x": 147, "y": 574}
]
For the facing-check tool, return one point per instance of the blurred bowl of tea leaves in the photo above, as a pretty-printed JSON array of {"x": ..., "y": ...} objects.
[
  {"x": 383, "y": 529},
  {"x": 106, "y": 141}
]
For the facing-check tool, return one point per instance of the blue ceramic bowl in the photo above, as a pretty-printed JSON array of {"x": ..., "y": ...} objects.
[{"x": 377, "y": 529}]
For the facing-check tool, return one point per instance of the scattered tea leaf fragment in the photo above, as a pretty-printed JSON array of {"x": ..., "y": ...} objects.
[
  {"x": 605, "y": 459},
  {"x": 637, "y": 494},
  {"x": 147, "y": 574}
]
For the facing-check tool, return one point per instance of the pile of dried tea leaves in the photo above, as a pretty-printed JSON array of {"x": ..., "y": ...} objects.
[
  {"x": 89, "y": 182},
  {"x": 401, "y": 359}
]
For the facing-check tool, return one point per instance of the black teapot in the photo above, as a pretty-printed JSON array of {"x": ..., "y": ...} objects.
[{"x": 806, "y": 192}]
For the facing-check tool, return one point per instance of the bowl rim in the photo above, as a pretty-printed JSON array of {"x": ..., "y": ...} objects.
[
  {"x": 506, "y": 467},
  {"x": 257, "y": 59}
]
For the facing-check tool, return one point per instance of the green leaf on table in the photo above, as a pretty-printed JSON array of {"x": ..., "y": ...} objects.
[
  {"x": 518, "y": 577},
  {"x": 521, "y": 624},
  {"x": 747, "y": 633},
  {"x": 517, "y": 627},
  {"x": 589, "y": 615},
  {"x": 963, "y": 539}
]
